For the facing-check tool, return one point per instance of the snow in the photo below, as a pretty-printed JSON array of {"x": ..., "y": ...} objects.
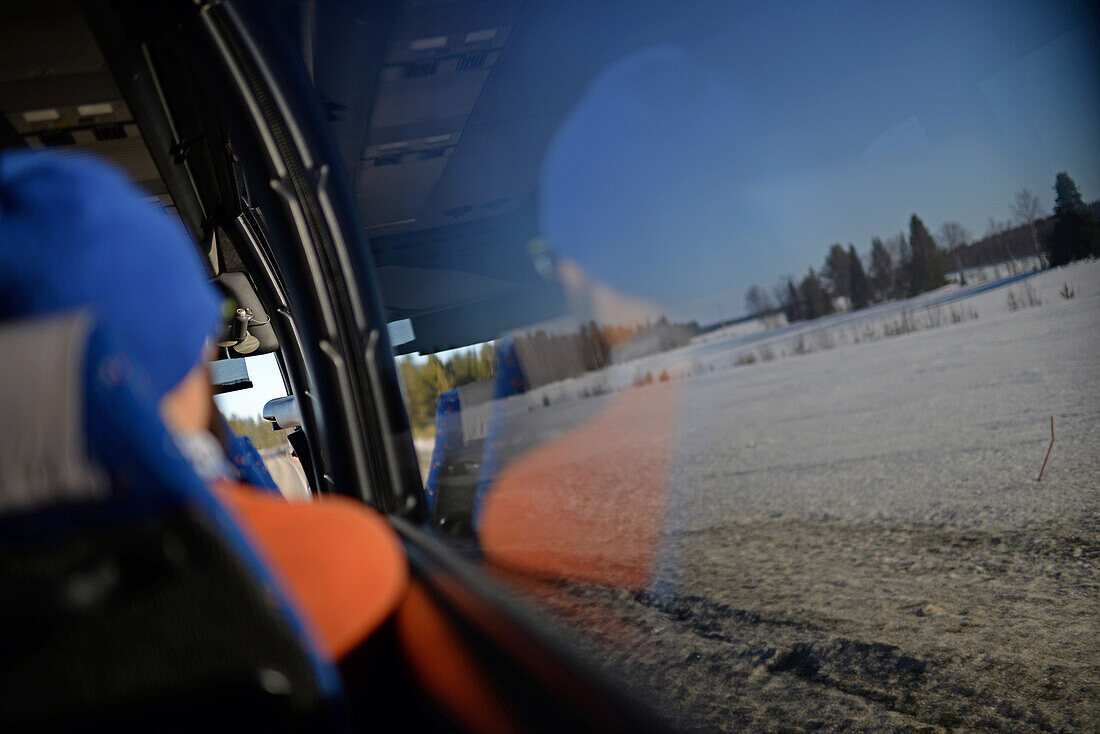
[
  {"x": 854, "y": 537},
  {"x": 946, "y": 424},
  {"x": 936, "y": 425}
]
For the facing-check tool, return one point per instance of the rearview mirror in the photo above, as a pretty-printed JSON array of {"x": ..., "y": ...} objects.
[{"x": 283, "y": 413}]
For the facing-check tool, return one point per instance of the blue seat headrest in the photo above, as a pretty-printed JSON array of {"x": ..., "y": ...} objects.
[
  {"x": 79, "y": 427},
  {"x": 82, "y": 447}
]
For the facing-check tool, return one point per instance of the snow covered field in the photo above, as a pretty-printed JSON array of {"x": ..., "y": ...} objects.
[{"x": 854, "y": 537}]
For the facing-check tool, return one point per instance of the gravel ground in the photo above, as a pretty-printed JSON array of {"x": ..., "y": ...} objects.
[{"x": 854, "y": 539}]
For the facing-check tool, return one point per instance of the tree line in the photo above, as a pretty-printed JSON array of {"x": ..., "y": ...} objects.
[
  {"x": 549, "y": 357},
  {"x": 426, "y": 380},
  {"x": 915, "y": 262},
  {"x": 546, "y": 357},
  {"x": 900, "y": 267},
  {"x": 261, "y": 432}
]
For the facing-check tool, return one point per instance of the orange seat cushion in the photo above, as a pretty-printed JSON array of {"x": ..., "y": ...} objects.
[{"x": 338, "y": 561}]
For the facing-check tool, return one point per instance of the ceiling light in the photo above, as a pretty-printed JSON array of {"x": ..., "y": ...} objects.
[
  {"x": 41, "y": 115},
  {"x": 486, "y": 34},
  {"x": 93, "y": 110},
  {"x": 426, "y": 44}
]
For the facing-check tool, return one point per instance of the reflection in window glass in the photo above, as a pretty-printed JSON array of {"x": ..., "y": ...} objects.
[{"x": 733, "y": 336}]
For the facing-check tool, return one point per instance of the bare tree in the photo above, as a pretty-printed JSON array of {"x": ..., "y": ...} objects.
[
  {"x": 758, "y": 301},
  {"x": 953, "y": 237},
  {"x": 1026, "y": 210},
  {"x": 780, "y": 294}
]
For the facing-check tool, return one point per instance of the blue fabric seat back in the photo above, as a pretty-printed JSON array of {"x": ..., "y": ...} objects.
[{"x": 134, "y": 597}]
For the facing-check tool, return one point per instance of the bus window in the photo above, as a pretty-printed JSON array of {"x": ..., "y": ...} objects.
[
  {"x": 732, "y": 336},
  {"x": 243, "y": 410}
]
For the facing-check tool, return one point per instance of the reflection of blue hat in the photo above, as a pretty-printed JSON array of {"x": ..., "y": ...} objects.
[{"x": 75, "y": 233}]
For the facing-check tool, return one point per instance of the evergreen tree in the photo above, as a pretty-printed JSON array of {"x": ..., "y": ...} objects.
[
  {"x": 1075, "y": 234},
  {"x": 425, "y": 381},
  {"x": 261, "y": 432},
  {"x": 858, "y": 283},
  {"x": 793, "y": 308},
  {"x": 815, "y": 299},
  {"x": 904, "y": 264},
  {"x": 487, "y": 358},
  {"x": 837, "y": 271},
  {"x": 926, "y": 267},
  {"x": 882, "y": 270}
]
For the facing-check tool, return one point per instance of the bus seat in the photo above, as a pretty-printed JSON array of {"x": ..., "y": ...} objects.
[
  {"x": 248, "y": 461},
  {"x": 130, "y": 599}
]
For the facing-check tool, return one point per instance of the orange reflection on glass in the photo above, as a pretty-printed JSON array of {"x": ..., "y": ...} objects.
[{"x": 589, "y": 505}]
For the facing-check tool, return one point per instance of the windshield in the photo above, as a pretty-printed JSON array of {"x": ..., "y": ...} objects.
[{"x": 737, "y": 336}]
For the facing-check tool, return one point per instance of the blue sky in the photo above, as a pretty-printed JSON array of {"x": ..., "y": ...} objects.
[
  {"x": 267, "y": 383},
  {"x": 750, "y": 140}
]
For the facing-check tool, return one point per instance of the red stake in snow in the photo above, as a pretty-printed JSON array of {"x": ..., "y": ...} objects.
[{"x": 1048, "y": 450}]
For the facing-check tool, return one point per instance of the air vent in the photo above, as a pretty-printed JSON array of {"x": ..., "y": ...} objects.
[
  {"x": 109, "y": 132},
  {"x": 387, "y": 160},
  {"x": 54, "y": 138},
  {"x": 427, "y": 155},
  {"x": 471, "y": 61}
]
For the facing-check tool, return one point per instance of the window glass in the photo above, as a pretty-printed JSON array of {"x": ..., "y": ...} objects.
[
  {"x": 248, "y": 404},
  {"x": 737, "y": 336},
  {"x": 243, "y": 410}
]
